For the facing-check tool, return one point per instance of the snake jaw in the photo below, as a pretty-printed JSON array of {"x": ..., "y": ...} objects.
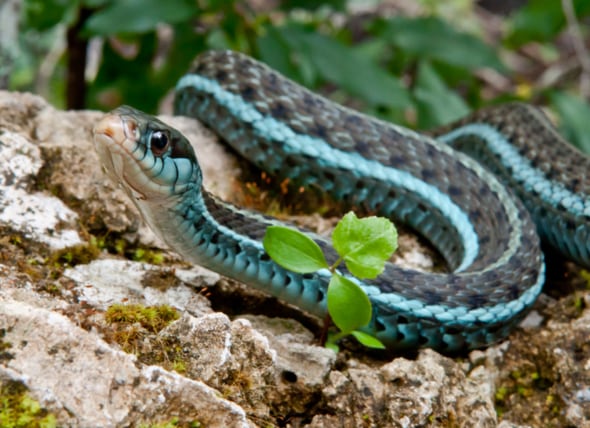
[
  {"x": 116, "y": 138},
  {"x": 107, "y": 149}
]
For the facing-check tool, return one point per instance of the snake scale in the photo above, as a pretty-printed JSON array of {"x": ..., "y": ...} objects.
[{"x": 482, "y": 230}]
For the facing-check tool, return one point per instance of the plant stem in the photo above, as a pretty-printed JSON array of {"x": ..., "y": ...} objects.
[
  {"x": 334, "y": 265},
  {"x": 339, "y": 335}
]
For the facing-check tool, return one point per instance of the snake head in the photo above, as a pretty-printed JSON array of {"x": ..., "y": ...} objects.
[{"x": 150, "y": 159}]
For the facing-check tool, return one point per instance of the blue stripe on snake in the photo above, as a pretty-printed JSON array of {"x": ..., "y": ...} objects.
[
  {"x": 480, "y": 228},
  {"x": 272, "y": 129}
]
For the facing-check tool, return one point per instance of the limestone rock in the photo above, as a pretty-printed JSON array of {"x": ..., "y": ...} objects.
[{"x": 35, "y": 214}]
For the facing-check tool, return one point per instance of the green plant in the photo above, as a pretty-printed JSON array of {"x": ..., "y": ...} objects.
[
  {"x": 419, "y": 71},
  {"x": 152, "y": 318},
  {"x": 19, "y": 410},
  {"x": 172, "y": 423},
  {"x": 363, "y": 245}
]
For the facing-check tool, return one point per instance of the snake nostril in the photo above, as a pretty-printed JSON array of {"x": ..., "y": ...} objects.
[{"x": 130, "y": 129}]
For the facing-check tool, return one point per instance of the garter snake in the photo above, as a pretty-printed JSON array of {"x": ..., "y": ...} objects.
[{"x": 482, "y": 230}]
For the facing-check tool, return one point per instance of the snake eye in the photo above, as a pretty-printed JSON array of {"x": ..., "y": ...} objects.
[{"x": 159, "y": 141}]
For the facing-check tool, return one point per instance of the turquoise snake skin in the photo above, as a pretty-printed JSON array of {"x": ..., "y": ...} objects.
[{"x": 485, "y": 233}]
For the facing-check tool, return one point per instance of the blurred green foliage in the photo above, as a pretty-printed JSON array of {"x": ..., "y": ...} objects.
[
  {"x": 541, "y": 21},
  {"x": 418, "y": 71}
]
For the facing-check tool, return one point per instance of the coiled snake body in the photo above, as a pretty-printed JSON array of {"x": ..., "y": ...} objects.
[{"x": 484, "y": 233}]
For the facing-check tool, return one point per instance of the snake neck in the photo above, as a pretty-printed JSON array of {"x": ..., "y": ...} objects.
[
  {"x": 200, "y": 222},
  {"x": 221, "y": 237}
]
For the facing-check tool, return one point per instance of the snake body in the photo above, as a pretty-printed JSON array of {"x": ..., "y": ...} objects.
[{"x": 483, "y": 232}]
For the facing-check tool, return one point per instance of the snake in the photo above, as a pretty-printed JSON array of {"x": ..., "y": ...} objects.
[{"x": 484, "y": 192}]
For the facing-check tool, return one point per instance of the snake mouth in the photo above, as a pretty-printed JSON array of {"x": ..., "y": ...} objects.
[
  {"x": 116, "y": 138},
  {"x": 110, "y": 138}
]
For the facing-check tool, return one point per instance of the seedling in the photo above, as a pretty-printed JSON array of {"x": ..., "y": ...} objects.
[{"x": 364, "y": 245}]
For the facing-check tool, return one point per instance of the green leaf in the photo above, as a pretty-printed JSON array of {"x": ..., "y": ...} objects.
[
  {"x": 348, "y": 305},
  {"x": 139, "y": 16},
  {"x": 351, "y": 69},
  {"x": 275, "y": 52},
  {"x": 436, "y": 103},
  {"x": 293, "y": 250},
  {"x": 368, "y": 340},
  {"x": 45, "y": 14},
  {"x": 574, "y": 124},
  {"x": 433, "y": 38},
  {"x": 127, "y": 78},
  {"x": 217, "y": 39},
  {"x": 312, "y": 4},
  {"x": 95, "y": 3},
  {"x": 364, "y": 244},
  {"x": 541, "y": 21},
  {"x": 346, "y": 67},
  {"x": 293, "y": 37}
]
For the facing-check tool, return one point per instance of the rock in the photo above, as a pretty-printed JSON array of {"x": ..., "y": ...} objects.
[
  {"x": 431, "y": 390},
  {"x": 298, "y": 358},
  {"x": 85, "y": 382},
  {"x": 229, "y": 356},
  {"x": 35, "y": 214},
  {"x": 301, "y": 367},
  {"x": 104, "y": 282},
  {"x": 250, "y": 366}
]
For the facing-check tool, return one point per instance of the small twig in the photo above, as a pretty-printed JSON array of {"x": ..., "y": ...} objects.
[
  {"x": 579, "y": 46},
  {"x": 555, "y": 73},
  {"x": 50, "y": 62}
]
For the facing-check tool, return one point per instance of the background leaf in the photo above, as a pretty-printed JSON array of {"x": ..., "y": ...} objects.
[
  {"x": 575, "y": 119},
  {"x": 313, "y": 4},
  {"x": 541, "y": 20},
  {"x": 276, "y": 52},
  {"x": 358, "y": 74},
  {"x": 436, "y": 103},
  {"x": 44, "y": 14},
  {"x": 129, "y": 16},
  {"x": 434, "y": 39}
]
